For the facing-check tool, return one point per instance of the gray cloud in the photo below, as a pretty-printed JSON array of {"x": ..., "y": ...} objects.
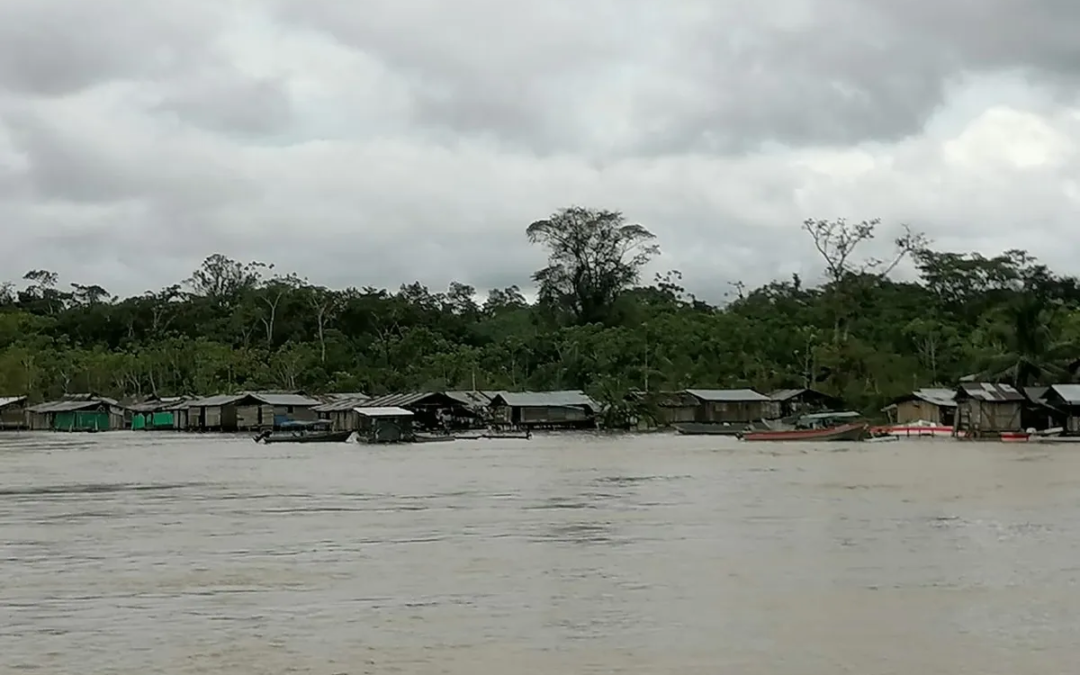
[{"x": 378, "y": 142}]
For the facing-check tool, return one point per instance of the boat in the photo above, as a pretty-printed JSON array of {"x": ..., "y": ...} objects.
[
  {"x": 702, "y": 429},
  {"x": 315, "y": 431},
  {"x": 842, "y": 432},
  {"x": 826, "y": 426},
  {"x": 498, "y": 435},
  {"x": 917, "y": 429},
  {"x": 431, "y": 438}
]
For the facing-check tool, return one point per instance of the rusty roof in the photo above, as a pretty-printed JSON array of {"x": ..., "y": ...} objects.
[{"x": 990, "y": 391}]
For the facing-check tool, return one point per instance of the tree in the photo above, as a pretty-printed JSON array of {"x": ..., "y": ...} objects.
[
  {"x": 593, "y": 256},
  {"x": 222, "y": 279}
]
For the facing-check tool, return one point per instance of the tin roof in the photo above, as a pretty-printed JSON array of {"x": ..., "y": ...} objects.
[
  {"x": 399, "y": 400},
  {"x": 73, "y": 402},
  {"x": 728, "y": 395},
  {"x": 546, "y": 399},
  {"x": 989, "y": 391},
  {"x": 473, "y": 398},
  {"x": 1035, "y": 393},
  {"x": 266, "y": 398},
  {"x": 936, "y": 395},
  {"x": 5, "y": 401},
  {"x": 347, "y": 396},
  {"x": 154, "y": 405},
  {"x": 340, "y": 404},
  {"x": 1070, "y": 393},
  {"x": 384, "y": 411}
]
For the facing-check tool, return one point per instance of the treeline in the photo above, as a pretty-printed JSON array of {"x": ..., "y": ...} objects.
[{"x": 862, "y": 334}]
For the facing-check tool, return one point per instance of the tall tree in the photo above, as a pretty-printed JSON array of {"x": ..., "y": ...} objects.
[{"x": 593, "y": 256}]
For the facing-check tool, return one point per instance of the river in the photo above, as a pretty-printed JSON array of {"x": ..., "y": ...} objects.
[{"x": 134, "y": 553}]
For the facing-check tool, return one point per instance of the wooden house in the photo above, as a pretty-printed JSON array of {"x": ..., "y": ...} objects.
[
  {"x": 803, "y": 401},
  {"x": 384, "y": 425},
  {"x": 250, "y": 411},
  {"x": 547, "y": 409},
  {"x": 431, "y": 410},
  {"x": 985, "y": 409},
  {"x": 663, "y": 408},
  {"x": 341, "y": 413},
  {"x": 718, "y": 406},
  {"x": 1066, "y": 399},
  {"x": 934, "y": 405},
  {"x": 13, "y": 413},
  {"x": 1044, "y": 410},
  {"x": 155, "y": 413},
  {"x": 77, "y": 412}
]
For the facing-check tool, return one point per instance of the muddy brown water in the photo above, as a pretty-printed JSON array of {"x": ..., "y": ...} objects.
[{"x": 134, "y": 553}]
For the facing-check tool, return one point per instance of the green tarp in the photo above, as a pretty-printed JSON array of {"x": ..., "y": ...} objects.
[
  {"x": 81, "y": 421},
  {"x": 158, "y": 420}
]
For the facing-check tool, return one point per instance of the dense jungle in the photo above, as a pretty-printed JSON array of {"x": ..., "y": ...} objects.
[{"x": 595, "y": 324}]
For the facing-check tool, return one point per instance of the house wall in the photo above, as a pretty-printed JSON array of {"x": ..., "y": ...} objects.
[
  {"x": 251, "y": 417},
  {"x": 552, "y": 415},
  {"x": 676, "y": 414},
  {"x": 40, "y": 421},
  {"x": 913, "y": 411},
  {"x": 295, "y": 413},
  {"x": 735, "y": 411},
  {"x": 988, "y": 416},
  {"x": 13, "y": 417}
]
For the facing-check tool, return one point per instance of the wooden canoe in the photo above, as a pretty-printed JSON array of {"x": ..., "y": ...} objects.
[{"x": 842, "y": 432}]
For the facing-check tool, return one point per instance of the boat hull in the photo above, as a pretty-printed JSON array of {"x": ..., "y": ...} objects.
[
  {"x": 843, "y": 432},
  {"x": 329, "y": 437},
  {"x": 709, "y": 429},
  {"x": 914, "y": 431}
]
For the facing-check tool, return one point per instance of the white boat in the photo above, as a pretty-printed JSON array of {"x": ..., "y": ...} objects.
[{"x": 916, "y": 429}]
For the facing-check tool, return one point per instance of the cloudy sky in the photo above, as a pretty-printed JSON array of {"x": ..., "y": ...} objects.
[{"x": 374, "y": 142}]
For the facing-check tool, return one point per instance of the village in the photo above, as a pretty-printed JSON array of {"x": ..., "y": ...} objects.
[{"x": 972, "y": 410}]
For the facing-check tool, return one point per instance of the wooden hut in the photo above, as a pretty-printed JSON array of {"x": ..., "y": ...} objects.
[
  {"x": 13, "y": 413},
  {"x": 1066, "y": 399},
  {"x": 156, "y": 413},
  {"x": 926, "y": 405},
  {"x": 985, "y": 409},
  {"x": 431, "y": 409},
  {"x": 384, "y": 425},
  {"x": 341, "y": 413},
  {"x": 249, "y": 411},
  {"x": 732, "y": 406},
  {"x": 77, "y": 412},
  {"x": 803, "y": 401},
  {"x": 548, "y": 409}
]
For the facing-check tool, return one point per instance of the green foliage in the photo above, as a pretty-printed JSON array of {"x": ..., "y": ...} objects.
[{"x": 861, "y": 335}]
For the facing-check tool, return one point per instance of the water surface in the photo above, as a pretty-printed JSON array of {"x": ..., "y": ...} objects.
[{"x": 135, "y": 553}]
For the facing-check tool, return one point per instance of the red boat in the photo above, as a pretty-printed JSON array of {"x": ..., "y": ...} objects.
[{"x": 842, "y": 432}]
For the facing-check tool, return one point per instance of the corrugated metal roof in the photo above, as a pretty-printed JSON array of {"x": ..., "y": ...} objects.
[
  {"x": 70, "y": 406},
  {"x": 785, "y": 394},
  {"x": 1036, "y": 393},
  {"x": 936, "y": 396},
  {"x": 472, "y": 398},
  {"x": 384, "y": 411},
  {"x": 348, "y": 396},
  {"x": 296, "y": 400},
  {"x": 729, "y": 395},
  {"x": 266, "y": 398},
  {"x": 399, "y": 400},
  {"x": 989, "y": 391},
  {"x": 5, "y": 401},
  {"x": 1070, "y": 393},
  {"x": 339, "y": 405},
  {"x": 547, "y": 399}
]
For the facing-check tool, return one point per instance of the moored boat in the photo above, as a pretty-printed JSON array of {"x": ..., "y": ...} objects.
[
  {"x": 842, "y": 432},
  {"x": 914, "y": 430},
  {"x": 715, "y": 429},
  {"x": 316, "y": 431}
]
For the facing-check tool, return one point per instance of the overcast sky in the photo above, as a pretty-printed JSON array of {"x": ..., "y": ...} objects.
[{"x": 376, "y": 142}]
